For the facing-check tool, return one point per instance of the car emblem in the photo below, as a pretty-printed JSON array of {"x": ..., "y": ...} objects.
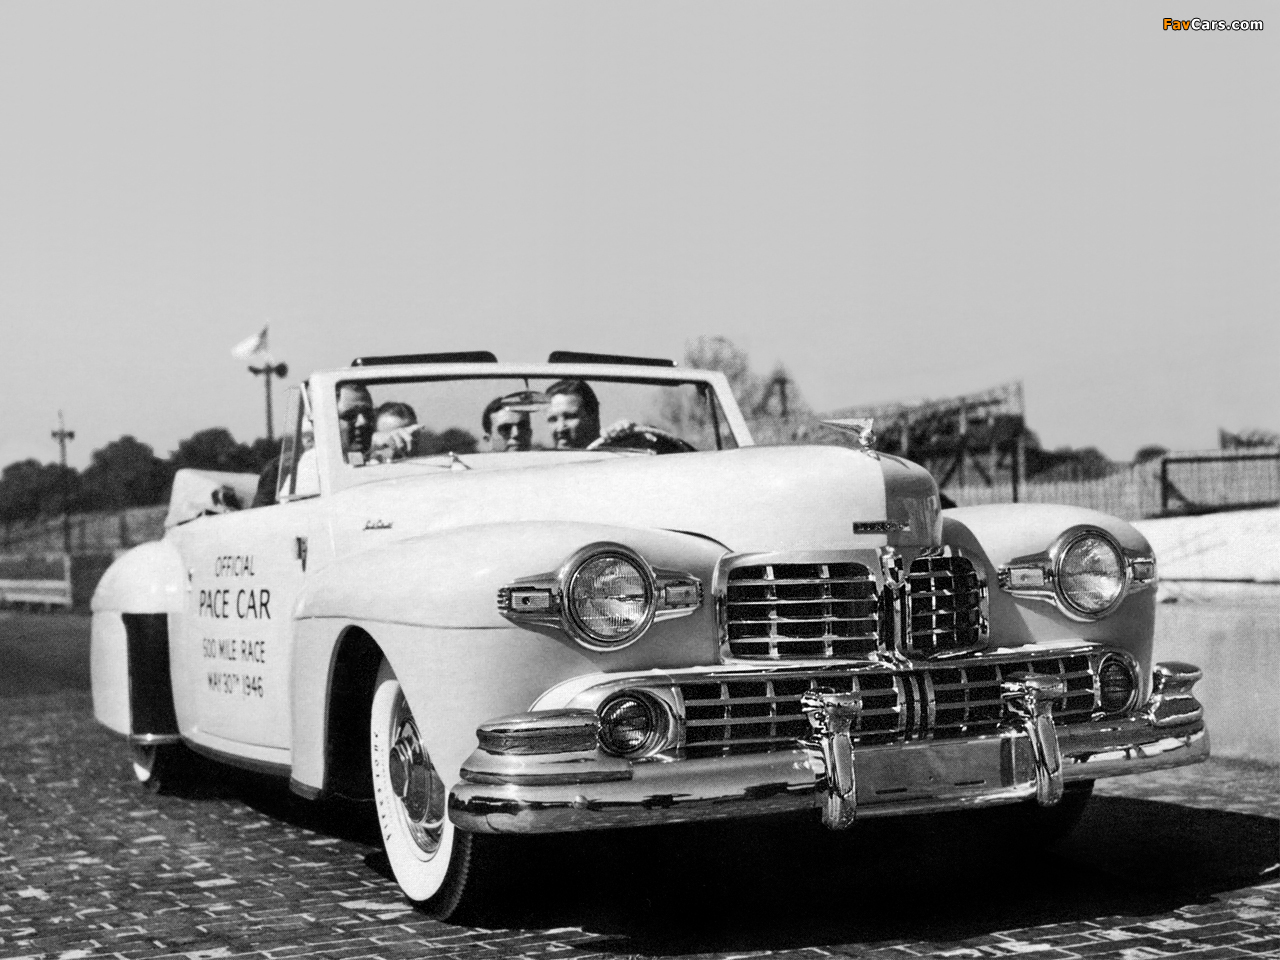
[
  {"x": 880, "y": 526},
  {"x": 377, "y": 525},
  {"x": 860, "y": 427}
]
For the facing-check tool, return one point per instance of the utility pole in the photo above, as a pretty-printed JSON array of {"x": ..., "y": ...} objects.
[
  {"x": 267, "y": 371},
  {"x": 62, "y": 435}
]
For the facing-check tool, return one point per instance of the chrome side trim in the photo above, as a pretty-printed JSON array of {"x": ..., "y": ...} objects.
[{"x": 540, "y": 732}]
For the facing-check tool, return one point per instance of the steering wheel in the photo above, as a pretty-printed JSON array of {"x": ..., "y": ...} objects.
[{"x": 626, "y": 435}]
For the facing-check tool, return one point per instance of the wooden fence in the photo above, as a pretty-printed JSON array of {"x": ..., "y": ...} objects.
[
  {"x": 90, "y": 532},
  {"x": 1179, "y": 483}
]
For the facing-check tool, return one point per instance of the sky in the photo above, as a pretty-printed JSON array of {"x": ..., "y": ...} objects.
[{"x": 894, "y": 201}]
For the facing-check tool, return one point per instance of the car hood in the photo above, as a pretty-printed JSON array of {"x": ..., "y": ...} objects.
[{"x": 751, "y": 499}]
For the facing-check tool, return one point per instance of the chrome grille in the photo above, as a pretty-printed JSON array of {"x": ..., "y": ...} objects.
[
  {"x": 968, "y": 697},
  {"x": 945, "y": 606},
  {"x": 801, "y": 610},
  {"x": 751, "y": 714},
  {"x": 761, "y": 714}
]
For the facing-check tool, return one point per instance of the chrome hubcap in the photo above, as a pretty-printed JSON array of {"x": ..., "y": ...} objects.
[{"x": 416, "y": 785}]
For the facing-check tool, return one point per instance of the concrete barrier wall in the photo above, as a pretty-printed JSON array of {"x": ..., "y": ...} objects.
[
  {"x": 1232, "y": 632},
  {"x": 1220, "y": 609}
]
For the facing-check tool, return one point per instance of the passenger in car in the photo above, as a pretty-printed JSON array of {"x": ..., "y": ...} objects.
[
  {"x": 506, "y": 429},
  {"x": 574, "y": 414},
  {"x": 395, "y": 427}
]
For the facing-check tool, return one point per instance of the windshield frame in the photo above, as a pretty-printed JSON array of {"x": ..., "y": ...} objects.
[{"x": 336, "y": 475}]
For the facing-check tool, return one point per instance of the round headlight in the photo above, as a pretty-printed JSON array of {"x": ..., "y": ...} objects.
[
  {"x": 1117, "y": 684},
  {"x": 610, "y": 600},
  {"x": 1091, "y": 574},
  {"x": 629, "y": 724}
]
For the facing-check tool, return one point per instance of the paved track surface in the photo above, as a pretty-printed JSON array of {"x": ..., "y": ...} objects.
[{"x": 1182, "y": 863}]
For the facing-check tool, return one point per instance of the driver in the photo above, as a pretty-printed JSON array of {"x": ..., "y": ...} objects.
[
  {"x": 574, "y": 418},
  {"x": 355, "y": 421},
  {"x": 574, "y": 415}
]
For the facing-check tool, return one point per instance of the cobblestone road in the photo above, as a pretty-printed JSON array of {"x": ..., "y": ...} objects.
[{"x": 1174, "y": 864}]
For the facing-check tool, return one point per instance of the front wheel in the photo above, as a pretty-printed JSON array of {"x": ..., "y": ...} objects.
[{"x": 434, "y": 863}]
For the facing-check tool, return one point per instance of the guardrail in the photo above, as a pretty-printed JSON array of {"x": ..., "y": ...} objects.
[
  {"x": 1218, "y": 480},
  {"x": 36, "y": 580},
  {"x": 51, "y": 580}
]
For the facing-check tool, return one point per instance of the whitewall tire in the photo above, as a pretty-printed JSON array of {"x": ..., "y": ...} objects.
[{"x": 431, "y": 860}]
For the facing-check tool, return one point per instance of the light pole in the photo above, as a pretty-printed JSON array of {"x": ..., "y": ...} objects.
[
  {"x": 62, "y": 435},
  {"x": 267, "y": 371}
]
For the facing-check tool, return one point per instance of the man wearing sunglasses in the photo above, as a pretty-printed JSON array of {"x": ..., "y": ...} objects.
[{"x": 506, "y": 429}]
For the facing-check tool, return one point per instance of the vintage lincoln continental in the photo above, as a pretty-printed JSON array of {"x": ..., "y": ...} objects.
[{"x": 516, "y": 598}]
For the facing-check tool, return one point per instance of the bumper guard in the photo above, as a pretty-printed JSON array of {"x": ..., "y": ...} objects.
[{"x": 515, "y": 784}]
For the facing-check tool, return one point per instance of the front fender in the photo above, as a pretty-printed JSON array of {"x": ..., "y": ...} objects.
[
  {"x": 999, "y": 533},
  {"x": 450, "y": 580},
  {"x": 430, "y": 604}
]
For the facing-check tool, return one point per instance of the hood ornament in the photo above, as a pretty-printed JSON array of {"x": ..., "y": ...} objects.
[{"x": 859, "y": 427}]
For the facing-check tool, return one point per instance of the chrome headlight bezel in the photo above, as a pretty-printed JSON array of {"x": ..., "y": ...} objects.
[
  {"x": 1039, "y": 576},
  {"x": 546, "y": 600},
  {"x": 1064, "y": 546},
  {"x": 573, "y": 621}
]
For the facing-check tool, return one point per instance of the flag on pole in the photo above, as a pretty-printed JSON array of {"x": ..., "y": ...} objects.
[{"x": 250, "y": 347}]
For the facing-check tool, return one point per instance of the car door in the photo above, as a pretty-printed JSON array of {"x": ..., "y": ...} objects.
[
  {"x": 233, "y": 649},
  {"x": 231, "y": 658}
]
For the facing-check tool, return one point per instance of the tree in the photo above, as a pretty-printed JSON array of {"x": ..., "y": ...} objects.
[
  {"x": 1066, "y": 463},
  {"x": 759, "y": 397},
  {"x": 1247, "y": 440},
  {"x": 721, "y": 353},
  {"x": 1150, "y": 452},
  {"x": 30, "y": 489},
  {"x": 124, "y": 473},
  {"x": 216, "y": 449}
]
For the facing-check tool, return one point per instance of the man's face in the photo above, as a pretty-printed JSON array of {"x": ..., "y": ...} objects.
[
  {"x": 355, "y": 419},
  {"x": 510, "y": 431},
  {"x": 572, "y": 427}
]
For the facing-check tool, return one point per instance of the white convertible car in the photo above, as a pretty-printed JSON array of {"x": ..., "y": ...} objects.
[{"x": 532, "y": 598}]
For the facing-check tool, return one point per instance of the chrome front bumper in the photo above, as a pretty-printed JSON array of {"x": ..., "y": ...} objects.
[{"x": 508, "y": 787}]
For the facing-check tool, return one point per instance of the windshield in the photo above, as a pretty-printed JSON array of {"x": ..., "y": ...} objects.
[{"x": 389, "y": 420}]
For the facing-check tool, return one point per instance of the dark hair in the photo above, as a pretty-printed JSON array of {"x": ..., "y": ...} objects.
[
  {"x": 577, "y": 388},
  {"x": 496, "y": 404},
  {"x": 486, "y": 418},
  {"x": 397, "y": 409},
  {"x": 352, "y": 385}
]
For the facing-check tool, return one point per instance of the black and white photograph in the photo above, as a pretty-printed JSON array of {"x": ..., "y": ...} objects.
[{"x": 595, "y": 481}]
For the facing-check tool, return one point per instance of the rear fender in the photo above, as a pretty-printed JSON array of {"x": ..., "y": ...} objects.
[{"x": 129, "y": 642}]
